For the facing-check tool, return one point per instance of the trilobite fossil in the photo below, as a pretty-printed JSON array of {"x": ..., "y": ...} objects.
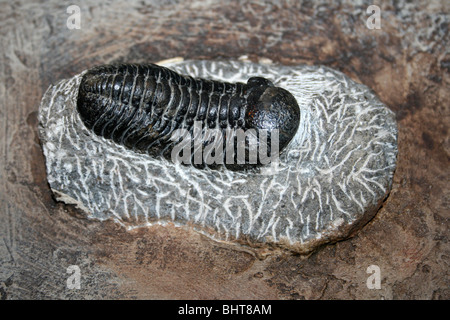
[{"x": 142, "y": 106}]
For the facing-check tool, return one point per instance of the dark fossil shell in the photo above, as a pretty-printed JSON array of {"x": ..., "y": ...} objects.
[{"x": 141, "y": 107}]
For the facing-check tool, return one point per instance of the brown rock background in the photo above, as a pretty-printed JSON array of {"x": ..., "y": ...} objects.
[{"x": 406, "y": 62}]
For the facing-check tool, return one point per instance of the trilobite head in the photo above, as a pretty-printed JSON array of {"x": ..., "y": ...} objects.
[{"x": 272, "y": 108}]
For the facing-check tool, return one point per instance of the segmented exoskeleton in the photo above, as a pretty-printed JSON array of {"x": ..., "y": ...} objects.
[{"x": 142, "y": 106}]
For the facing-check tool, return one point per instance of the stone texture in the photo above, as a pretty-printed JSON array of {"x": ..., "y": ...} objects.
[{"x": 330, "y": 180}]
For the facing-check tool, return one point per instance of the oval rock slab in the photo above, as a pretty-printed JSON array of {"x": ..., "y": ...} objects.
[{"x": 330, "y": 180}]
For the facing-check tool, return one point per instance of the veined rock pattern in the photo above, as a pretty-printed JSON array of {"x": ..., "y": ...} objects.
[{"x": 330, "y": 180}]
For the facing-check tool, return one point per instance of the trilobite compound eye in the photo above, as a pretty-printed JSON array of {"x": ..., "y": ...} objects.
[
  {"x": 142, "y": 106},
  {"x": 259, "y": 82}
]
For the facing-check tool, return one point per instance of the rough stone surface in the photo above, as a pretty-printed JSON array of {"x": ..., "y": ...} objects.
[
  {"x": 406, "y": 62},
  {"x": 330, "y": 180}
]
